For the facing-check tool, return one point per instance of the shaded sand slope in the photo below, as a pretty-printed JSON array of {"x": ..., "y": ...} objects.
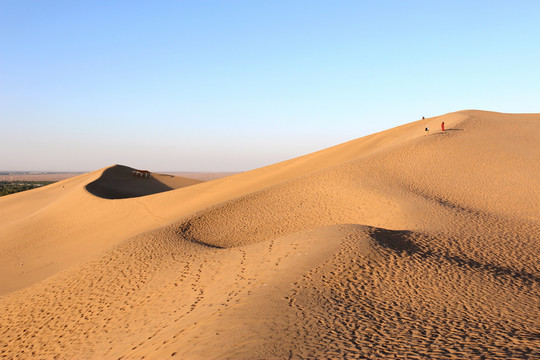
[
  {"x": 422, "y": 247},
  {"x": 119, "y": 182}
]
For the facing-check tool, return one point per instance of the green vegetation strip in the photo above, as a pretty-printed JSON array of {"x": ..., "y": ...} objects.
[{"x": 12, "y": 187}]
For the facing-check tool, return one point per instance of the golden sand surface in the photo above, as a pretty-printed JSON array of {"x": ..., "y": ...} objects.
[
  {"x": 394, "y": 245},
  {"x": 201, "y": 175}
]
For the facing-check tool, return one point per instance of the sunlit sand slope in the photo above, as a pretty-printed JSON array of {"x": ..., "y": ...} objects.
[
  {"x": 47, "y": 230},
  {"x": 393, "y": 245}
]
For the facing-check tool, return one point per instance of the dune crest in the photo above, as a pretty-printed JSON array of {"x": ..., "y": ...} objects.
[{"x": 395, "y": 244}]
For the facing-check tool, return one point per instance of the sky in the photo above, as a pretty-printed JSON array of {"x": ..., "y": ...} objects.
[{"x": 236, "y": 85}]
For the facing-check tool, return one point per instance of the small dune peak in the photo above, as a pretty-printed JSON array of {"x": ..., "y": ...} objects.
[{"x": 122, "y": 182}]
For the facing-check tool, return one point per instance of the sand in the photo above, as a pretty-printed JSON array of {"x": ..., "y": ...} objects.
[
  {"x": 202, "y": 175},
  {"x": 393, "y": 245}
]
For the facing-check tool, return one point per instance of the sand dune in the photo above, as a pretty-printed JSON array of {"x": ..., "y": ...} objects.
[
  {"x": 393, "y": 245},
  {"x": 46, "y": 230}
]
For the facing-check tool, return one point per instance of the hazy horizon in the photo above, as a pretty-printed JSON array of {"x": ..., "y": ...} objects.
[
  {"x": 233, "y": 86},
  {"x": 83, "y": 172}
]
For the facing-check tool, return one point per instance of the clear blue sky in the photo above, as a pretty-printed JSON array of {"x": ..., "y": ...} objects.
[{"x": 235, "y": 85}]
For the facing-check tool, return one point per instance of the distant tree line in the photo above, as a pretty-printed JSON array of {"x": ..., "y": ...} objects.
[{"x": 12, "y": 187}]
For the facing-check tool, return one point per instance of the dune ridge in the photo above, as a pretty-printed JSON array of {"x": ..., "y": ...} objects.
[{"x": 393, "y": 245}]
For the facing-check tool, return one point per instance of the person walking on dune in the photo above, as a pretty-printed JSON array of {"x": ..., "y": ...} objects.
[
  {"x": 442, "y": 126},
  {"x": 427, "y": 127}
]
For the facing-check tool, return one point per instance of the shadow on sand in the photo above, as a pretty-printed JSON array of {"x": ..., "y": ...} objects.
[
  {"x": 402, "y": 241},
  {"x": 118, "y": 182}
]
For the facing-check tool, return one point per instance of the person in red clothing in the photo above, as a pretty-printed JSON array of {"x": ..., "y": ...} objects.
[{"x": 442, "y": 126}]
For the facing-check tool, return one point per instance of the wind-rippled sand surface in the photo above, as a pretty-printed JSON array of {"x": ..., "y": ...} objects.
[{"x": 396, "y": 245}]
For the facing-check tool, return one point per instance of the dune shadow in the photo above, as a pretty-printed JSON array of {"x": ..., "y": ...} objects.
[
  {"x": 397, "y": 240},
  {"x": 185, "y": 232},
  {"x": 402, "y": 241},
  {"x": 119, "y": 182}
]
